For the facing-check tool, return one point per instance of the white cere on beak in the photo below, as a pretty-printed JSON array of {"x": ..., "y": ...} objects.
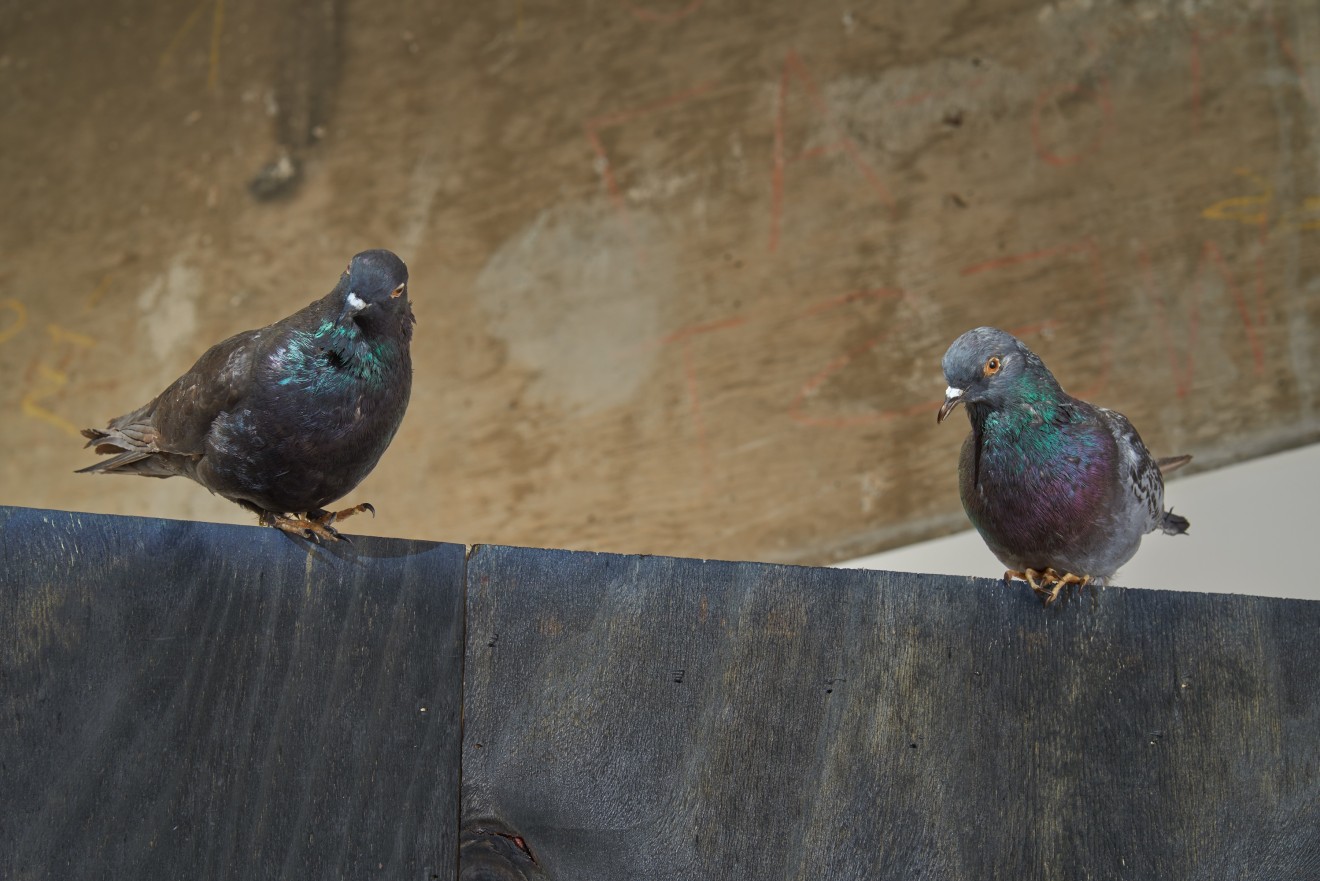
[
  {"x": 952, "y": 392},
  {"x": 356, "y": 302}
]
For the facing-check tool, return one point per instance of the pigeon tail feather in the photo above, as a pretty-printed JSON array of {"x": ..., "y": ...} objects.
[
  {"x": 1174, "y": 524},
  {"x": 143, "y": 463},
  {"x": 1170, "y": 464},
  {"x": 133, "y": 455}
]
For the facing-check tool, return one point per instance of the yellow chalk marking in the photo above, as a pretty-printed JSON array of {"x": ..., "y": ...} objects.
[
  {"x": 1249, "y": 210},
  {"x": 217, "y": 26},
  {"x": 20, "y": 319},
  {"x": 94, "y": 298},
  {"x": 181, "y": 33},
  {"x": 64, "y": 335},
  {"x": 1310, "y": 205},
  {"x": 55, "y": 380}
]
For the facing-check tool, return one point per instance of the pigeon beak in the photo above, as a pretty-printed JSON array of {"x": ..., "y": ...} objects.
[
  {"x": 952, "y": 398},
  {"x": 353, "y": 304}
]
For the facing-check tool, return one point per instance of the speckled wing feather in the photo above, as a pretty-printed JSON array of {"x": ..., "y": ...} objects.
[
  {"x": 1141, "y": 474},
  {"x": 167, "y": 436}
]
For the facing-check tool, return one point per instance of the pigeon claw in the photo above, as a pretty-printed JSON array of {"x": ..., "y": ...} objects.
[
  {"x": 325, "y": 518},
  {"x": 316, "y": 529},
  {"x": 1051, "y": 583},
  {"x": 358, "y": 509},
  {"x": 318, "y": 525}
]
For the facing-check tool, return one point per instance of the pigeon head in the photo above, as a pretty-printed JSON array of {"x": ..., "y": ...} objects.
[
  {"x": 374, "y": 288},
  {"x": 987, "y": 367}
]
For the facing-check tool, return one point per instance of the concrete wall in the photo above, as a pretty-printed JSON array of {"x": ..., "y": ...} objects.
[{"x": 684, "y": 270}]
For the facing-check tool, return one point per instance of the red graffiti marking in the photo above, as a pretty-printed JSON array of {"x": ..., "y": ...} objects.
[
  {"x": 1210, "y": 260},
  {"x": 1285, "y": 46},
  {"x": 1212, "y": 255},
  {"x": 1035, "y": 328},
  {"x": 794, "y": 67},
  {"x": 1095, "y": 262},
  {"x": 1200, "y": 39},
  {"x": 683, "y": 337},
  {"x": 797, "y": 409},
  {"x": 684, "y": 334},
  {"x": 1181, "y": 366},
  {"x": 597, "y": 124},
  {"x": 1046, "y": 97}
]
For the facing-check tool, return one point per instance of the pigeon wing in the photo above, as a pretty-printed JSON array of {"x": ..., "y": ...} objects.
[
  {"x": 156, "y": 439},
  {"x": 1139, "y": 471}
]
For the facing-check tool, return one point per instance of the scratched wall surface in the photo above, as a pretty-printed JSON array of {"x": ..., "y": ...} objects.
[{"x": 683, "y": 270}]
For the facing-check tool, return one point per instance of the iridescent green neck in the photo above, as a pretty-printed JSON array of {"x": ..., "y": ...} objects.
[
  {"x": 1031, "y": 416},
  {"x": 1037, "y": 400},
  {"x": 332, "y": 353}
]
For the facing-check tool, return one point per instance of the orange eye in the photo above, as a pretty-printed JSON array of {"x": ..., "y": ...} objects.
[
  {"x": 992, "y": 366},
  {"x": 397, "y": 292}
]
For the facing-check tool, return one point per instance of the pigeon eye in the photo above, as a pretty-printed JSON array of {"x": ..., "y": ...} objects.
[
  {"x": 394, "y": 294},
  {"x": 992, "y": 366}
]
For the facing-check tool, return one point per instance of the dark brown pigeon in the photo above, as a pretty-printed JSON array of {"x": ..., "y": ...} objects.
[{"x": 286, "y": 419}]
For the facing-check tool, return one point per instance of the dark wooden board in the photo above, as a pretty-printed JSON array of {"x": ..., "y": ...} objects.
[
  {"x": 188, "y": 700},
  {"x": 669, "y": 718},
  {"x": 192, "y": 700}
]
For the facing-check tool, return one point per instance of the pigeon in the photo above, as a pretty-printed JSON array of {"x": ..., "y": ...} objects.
[
  {"x": 1061, "y": 490},
  {"x": 285, "y": 419}
]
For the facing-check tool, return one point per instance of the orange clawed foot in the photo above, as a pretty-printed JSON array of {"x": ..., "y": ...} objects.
[
  {"x": 315, "y": 525},
  {"x": 1051, "y": 583}
]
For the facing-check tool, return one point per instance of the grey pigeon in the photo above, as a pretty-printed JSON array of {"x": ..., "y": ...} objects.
[
  {"x": 285, "y": 419},
  {"x": 1061, "y": 490}
]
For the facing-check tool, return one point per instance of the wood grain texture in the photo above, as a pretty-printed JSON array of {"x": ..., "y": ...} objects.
[
  {"x": 191, "y": 700},
  {"x": 183, "y": 700},
  {"x": 637, "y": 717},
  {"x": 683, "y": 269}
]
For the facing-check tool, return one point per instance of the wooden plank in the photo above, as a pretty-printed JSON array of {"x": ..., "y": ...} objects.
[
  {"x": 191, "y": 700},
  {"x": 634, "y": 717},
  {"x": 683, "y": 270}
]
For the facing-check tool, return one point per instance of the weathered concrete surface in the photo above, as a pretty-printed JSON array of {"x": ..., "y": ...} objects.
[{"x": 683, "y": 271}]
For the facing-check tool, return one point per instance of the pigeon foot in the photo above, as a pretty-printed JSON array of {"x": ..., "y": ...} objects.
[
  {"x": 1051, "y": 583},
  {"x": 322, "y": 522},
  {"x": 314, "y": 528},
  {"x": 316, "y": 525},
  {"x": 325, "y": 518}
]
